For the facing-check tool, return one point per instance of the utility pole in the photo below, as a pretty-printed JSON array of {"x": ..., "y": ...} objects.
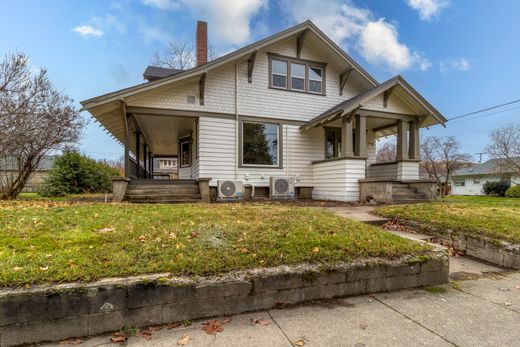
[{"x": 480, "y": 157}]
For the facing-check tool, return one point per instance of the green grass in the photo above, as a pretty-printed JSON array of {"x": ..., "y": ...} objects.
[
  {"x": 57, "y": 241},
  {"x": 480, "y": 216}
]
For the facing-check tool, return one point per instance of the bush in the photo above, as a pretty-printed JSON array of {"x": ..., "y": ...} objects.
[
  {"x": 496, "y": 188},
  {"x": 74, "y": 173},
  {"x": 513, "y": 192}
]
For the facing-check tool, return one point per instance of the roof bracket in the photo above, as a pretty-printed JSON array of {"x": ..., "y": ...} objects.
[
  {"x": 250, "y": 66},
  {"x": 343, "y": 80},
  {"x": 202, "y": 86},
  {"x": 299, "y": 43},
  {"x": 387, "y": 95}
]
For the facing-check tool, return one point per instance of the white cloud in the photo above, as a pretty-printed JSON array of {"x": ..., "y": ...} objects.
[
  {"x": 153, "y": 33},
  {"x": 460, "y": 64},
  {"x": 87, "y": 30},
  {"x": 228, "y": 20},
  {"x": 428, "y": 9},
  {"x": 376, "y": 39},
  {"x": 163, "y": 4}
]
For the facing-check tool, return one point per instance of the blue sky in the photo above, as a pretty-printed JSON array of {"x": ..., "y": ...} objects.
[{"x": 461, "y": 55}]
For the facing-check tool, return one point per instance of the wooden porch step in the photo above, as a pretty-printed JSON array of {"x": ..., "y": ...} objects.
[
  {"x": 164, "y": 198},
  {"x": 149, "y": 181},
  {"x": 163, "y": 191}
]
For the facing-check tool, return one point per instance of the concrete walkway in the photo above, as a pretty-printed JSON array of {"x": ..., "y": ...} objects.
[
  {"x": 359, "y": 213},
  {"x": 479, "y": 312}
]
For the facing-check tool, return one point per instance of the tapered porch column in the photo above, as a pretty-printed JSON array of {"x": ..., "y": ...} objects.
[
  {"x": 361, "y": 136},
  {"x": 145, "y": 167},
  {"x": 138, "y": 153},
  {"x": 413, "y": 140},
  {"x": 402, "y": 147},
  {"x": 150, "y": 167},
  {"x": 347, "y": 142},
  {"x": 127, "y": 148}
]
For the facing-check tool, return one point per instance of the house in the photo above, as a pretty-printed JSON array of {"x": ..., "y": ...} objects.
[
  {"x": 470, "y": 180},
  {"x": 9, "y": 170},
  {"x": 165, "y": 168},
  {"x": 293, "y": 106}
]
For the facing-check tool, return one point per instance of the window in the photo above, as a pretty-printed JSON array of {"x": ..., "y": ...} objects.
[
  {"x": 279, "y": 69},
  {"x": 185, "y": 152},
  {"x": 297, "y": 76},
  {"x": 476, "y": 180},
  {"x": 315, "y": 79},
  {"x": 459, "y": 183},
  {"x": 332, "y": 143},
  {"x": 260, "y": 144}
]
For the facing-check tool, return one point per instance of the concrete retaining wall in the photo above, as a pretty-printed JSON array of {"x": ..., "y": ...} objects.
[
  {"x": 56, "y": 312},
  {"x": 501, "y": 253}
]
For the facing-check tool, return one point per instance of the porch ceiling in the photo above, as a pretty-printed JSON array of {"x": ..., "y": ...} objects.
[{"x": 162, "y": 132}]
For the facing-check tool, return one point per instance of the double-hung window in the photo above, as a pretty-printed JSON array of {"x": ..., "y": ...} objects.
[
  {"x": 296, "y": 74},
  {"x": 315, "y": 79},
  {"x": 260, "y": 144},
  {"x": 279, "y": 74}
]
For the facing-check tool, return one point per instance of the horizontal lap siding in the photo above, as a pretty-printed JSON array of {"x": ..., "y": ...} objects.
[
  {"x": 408, "y": 170},
  {"x": 338, "y": 180},
  {"x": 216, "y": 148},
  {"x": 383, "y": 172}
]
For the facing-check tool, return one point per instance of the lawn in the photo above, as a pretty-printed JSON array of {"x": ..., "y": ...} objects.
[
  {"x": 493, "y": 217},
  {"x": 57, "y": 241}
]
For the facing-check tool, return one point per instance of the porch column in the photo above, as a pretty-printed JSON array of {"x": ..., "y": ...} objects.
[
  {"x": 347, "y": 142},
  {"x": 413, "y": 140},
  {"x": 127, "y": 149},
  {"x": 150, "y": 158},
  {"x": 402, "y": 147},
  {"x": 361, "y": 136},
  {"x": 138, "y": 152},
  {"x": 145, "y": 168}
]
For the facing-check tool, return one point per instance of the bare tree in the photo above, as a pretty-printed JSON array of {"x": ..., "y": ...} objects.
[
  {"x": 35, "y": 119},
  {"x": 180, "y": 55},
  {"x": 505, "y": 146},
  {"x": 441, "y": 157},
  {"x": 386, "y": 151}
]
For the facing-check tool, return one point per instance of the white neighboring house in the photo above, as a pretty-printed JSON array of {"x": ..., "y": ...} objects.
[
  {"x": 470, "y": 180},
  {"x": 292, "y": 105}
]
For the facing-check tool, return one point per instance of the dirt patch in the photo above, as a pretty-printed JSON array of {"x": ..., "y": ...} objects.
[{"x": 306, "y": 203}]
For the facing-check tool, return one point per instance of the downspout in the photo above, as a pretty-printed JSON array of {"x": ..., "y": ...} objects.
[{"x": 236, "y": 122}]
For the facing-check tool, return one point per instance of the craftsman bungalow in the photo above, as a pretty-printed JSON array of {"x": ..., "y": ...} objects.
[{"x": 291, "y": 114}]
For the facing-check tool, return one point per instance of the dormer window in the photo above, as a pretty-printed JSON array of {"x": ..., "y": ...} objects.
[{"x": 296, "y": 75}]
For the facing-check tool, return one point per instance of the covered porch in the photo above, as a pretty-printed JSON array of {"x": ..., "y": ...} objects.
[{"x": 349, "y": 170}]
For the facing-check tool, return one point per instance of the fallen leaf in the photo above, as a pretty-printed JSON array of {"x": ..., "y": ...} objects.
[
  {"x": 517, "y": 286},
  {"x": 118, "y": 338},
  {"x": 183, "y": 340},
  {"x": 142, "y": 238},
  {"x": 227, "y": 320},
  {"x": 44, "y": 268},
  {"x": 212, "y": 327},
  {"x": 173, "y": 325},
  {"x": 363, "y": 326},
  {"x": 299, "y": 342},
  {"x": 505, "y": 289},
  {"x": 507, "y": 304},
  {"x": 72, "y": 342},
  {"x": 264, "y": 322},
  {"x": 316, "y": 250},
  {"x": 105, "y": 230},
  {"x": 155, "y": 328},
  {"x": 244, "y": 250}
]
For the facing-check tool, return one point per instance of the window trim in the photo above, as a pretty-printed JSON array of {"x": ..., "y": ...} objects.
[
  {"x": 271, "y": 75},
  {"x": 241, "y": 122},
  {"x": 188, "y": 140},
  {"x": 322, "y": 79},
  {"x": 308, "y": 64},
  {"x": 459, "y": 182}
]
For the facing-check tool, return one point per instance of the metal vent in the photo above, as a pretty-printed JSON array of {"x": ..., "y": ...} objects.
[
  {"x": 281, "y": 186},
  {"x": 227, "y": 188},
  {"x": 191, "y": 99}
]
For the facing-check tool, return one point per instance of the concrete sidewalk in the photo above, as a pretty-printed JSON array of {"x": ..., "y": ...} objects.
[{"x": 479, "y": 312}]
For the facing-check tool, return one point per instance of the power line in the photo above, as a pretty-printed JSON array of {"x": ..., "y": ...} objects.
[{"x": 485, "y": 109}]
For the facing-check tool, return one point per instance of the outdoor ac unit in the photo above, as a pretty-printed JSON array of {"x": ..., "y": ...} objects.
[
  {"x": 230, "y": 190},
  {"x": 282, "y": 187}
]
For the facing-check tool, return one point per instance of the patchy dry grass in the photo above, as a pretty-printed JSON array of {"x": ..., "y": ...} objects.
[
  {"x": 496, "y": 218},
  {"x": 56, "y": 241}
]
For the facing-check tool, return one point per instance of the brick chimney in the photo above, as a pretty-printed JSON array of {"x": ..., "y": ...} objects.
[{"x": 202, "y": 42}]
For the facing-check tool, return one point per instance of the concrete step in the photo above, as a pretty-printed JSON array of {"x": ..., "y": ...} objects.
[
  {"x": 159, "y": 182},
  {"x": 405, "y": 196},
  {"x": 151, "y": 191},
  {"x": 164, "y": 198}
]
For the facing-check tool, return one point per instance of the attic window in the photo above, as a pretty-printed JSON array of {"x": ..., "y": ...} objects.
[{"x": 296, "y": 75}]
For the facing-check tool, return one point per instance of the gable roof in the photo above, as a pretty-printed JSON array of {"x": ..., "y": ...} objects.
[
  {"x": 359, "y": 100},
  {"x": 153, "y": 73},
  {"x": 236, "y": 55},
  {"x": 490, "y": 167}
]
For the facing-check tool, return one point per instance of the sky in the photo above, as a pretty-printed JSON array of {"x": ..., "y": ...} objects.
[{"x": 462, "y": 56}]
